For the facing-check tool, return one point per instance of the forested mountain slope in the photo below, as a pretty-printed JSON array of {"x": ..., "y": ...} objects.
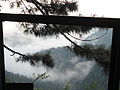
[{"x": 79, "y": 72}]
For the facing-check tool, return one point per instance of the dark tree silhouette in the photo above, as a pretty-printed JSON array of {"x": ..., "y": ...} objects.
[{"x": 57, "y": 7}]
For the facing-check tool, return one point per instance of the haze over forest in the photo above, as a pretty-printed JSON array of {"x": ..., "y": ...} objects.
[
  {"x": 30, "y": 44},
  {"x": 69, "y": 68}
]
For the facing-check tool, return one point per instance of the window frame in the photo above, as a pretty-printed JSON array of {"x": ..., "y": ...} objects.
[{"x": 113, "y": 82}]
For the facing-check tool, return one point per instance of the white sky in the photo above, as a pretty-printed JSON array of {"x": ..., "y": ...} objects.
[{"x": 106, "y": 8}]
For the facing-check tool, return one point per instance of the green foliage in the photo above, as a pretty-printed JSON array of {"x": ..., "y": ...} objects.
[
  {"x": 67, "y": 86},
  {"x": 91, "y": 87},
  {"x": 16, "y": 78},
  {"x": 8, "y": 80}
]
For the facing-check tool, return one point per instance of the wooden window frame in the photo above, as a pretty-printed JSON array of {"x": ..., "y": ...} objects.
[{"x": 114, "y": 23}]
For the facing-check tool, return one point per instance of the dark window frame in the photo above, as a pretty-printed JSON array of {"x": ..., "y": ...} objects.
[{"x": 114, "y": 23}]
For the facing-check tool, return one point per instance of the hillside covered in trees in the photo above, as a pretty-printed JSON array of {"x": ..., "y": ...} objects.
[
  {"x": 70, "y": 70},
  {"x": 85, "y": 68}
]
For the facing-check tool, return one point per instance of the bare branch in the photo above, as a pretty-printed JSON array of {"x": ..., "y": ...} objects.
[
  {"x": 69, "y": 39},
  {"x": 89, "y": 39},
  {"x": 14, "y": 52}
]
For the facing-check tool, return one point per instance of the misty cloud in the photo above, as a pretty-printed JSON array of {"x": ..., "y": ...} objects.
[
  {"x": 105, "y": 40},
  {"x": 74, "y": 60},
  {"x": 15, "y": 39},
  {"x": 79, "y": 71}
]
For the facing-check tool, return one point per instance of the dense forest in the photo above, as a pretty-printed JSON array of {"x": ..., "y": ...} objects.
[
  {"x": 94, "y": 79},
  {"x": 86, "y": 71}
]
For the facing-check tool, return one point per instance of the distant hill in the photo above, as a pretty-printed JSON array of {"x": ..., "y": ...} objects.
[
  {"x": 79, "y": 72},
  {"x": 16, "y": 78}
]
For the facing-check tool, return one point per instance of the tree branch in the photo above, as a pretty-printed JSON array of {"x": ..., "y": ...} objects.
[
  {"x": 60, "y": 30},
  {"x": 89, "y": 39},
  {"x": 36, "y": 4},
  {"x": 69, "y": 38},
  {"x": 46, "y": 59},
  {"x": 14, "y": 52},
  {"x": 40, "y": 4},
  {"x": 27, "y": 7}
]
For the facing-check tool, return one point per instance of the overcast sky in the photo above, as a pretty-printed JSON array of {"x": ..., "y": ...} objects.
[
  {"x": 15, "y": 39},
  {"x": 106, "y": 8}
]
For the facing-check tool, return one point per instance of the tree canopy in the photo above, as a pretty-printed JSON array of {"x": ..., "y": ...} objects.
[{"x": 57, "y": 7}]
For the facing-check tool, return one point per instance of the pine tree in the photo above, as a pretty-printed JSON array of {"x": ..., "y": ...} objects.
[{"x": 57, "y": 7}]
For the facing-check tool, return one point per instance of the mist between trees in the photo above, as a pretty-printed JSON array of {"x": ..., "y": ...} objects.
[{"x": 100, "y": 54}]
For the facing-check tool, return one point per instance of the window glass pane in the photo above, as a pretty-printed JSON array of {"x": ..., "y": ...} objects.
[{"x": 81, "y": 56}]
